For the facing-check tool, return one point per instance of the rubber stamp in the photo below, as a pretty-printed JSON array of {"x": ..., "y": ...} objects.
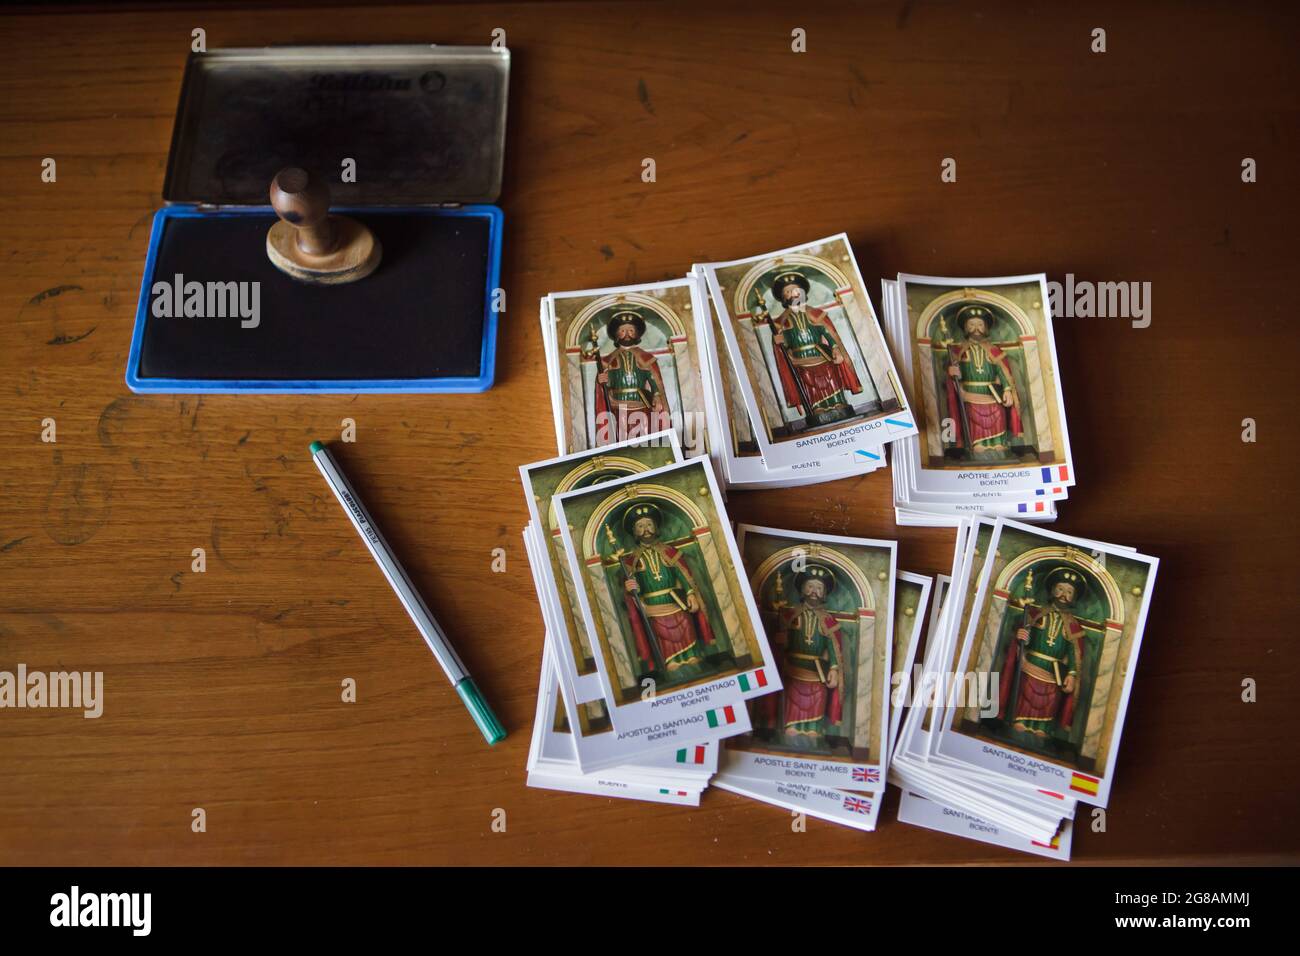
[
  {"x": 310, "y": 244},
  {"x": 329, "y": 223}
]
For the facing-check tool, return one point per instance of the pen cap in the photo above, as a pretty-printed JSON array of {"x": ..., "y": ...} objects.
[{"x": 480, "y": 711}]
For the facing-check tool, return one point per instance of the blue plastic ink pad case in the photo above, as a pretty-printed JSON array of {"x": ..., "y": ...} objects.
[{"x": 424, "y": 129}]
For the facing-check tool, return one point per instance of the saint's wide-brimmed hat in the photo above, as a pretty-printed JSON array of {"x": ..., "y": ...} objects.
[
  {"x": 642, "y": 509},
  {"x": 968, "y": 312},
  {"x": 788, "y": 278},
  {"x": 815, "y": 572},
  {"x": 625, "y": 317},
  {"x": 1068, "y": 575}
]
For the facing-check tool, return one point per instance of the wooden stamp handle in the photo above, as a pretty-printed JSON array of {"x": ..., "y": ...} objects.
[{"x": 303, "y": 201}]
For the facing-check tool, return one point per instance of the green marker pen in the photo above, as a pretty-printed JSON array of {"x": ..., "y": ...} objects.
[{"x": 410, "y": 598}]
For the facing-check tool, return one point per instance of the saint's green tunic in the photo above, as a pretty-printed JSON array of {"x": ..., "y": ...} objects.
[
  {"x": 664, "y": 587},
  {"x": 661, "y": 580},
  {"x": 981, "y": 374},
  {"x": 810, "y": 653},
  {"x": 629, "y": 383},
  {"x": 1049, "y": 646}
]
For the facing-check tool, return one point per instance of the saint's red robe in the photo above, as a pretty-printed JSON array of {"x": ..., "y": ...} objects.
[
  {"x": 818, "y": 381},
  {"x": 985, "y": 419},
  {"x": 629, "y": 416},
  {"x": 674, "y": 632},
  {"x": 1035, "y": 698},
  {"x": 805, "y": 700}
]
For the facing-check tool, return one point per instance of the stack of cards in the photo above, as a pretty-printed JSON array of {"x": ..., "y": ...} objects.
[
  {"x": 625, "y": 363},
  {"x": 778, "y": 664},
  {"x": 653, "y": 641},
  {"x": 841, "y": 619},
  {"x": 980, "y": 358},
  {"x": 802, "y": 386},
  {"x": 660, "y": 776},
  {"x": 775, "y": 365},
  {"x": 1018, "y": 709}
]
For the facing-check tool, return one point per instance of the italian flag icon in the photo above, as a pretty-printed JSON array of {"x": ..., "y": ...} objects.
[
  {"x": 721, "y": 716},
  {"x": 691, "y": 754}
]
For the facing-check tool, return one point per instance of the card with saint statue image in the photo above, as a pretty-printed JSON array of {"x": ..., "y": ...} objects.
[
  {"x": 986, "y": 382},
  {"x": 982, "y": 694},
  {"x": 827, "y": 604},
  {"x": 1018, "y": 805},
  {"x": 808, "y": 353},
  {"x": 679, "y": 642},
  {"x": 847, "y": 807},
  {"x": 988, "y": 494},
  {"x": 585, "y": 729},
  {"x": 542, "y": 481},
  {"x": 1059, "y": 621},
  {"x": 734, "y": 445},
  {"x": 624, "y": 362}
]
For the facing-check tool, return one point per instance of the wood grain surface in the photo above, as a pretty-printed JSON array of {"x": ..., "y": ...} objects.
[{"x": 222, "y": 689}]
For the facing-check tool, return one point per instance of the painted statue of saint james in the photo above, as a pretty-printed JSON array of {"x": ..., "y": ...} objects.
[
  {"x": 630, "y": 395},
  {"x": 812, "y": 664},
  {"x": 816, "y": 374},
  {"x": 981, "y": 390},
  {"x": 664, "y": 605},
  {"x": 1040, "y": 673}
]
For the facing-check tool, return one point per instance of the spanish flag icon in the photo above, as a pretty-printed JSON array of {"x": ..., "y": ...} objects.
[{"x": 1084, "y": 784}]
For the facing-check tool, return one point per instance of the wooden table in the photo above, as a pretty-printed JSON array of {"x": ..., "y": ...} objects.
[{"x": 223, "y": 688}]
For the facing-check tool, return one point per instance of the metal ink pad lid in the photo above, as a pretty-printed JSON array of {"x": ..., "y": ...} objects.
[{"x": 424, "y": 124}]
